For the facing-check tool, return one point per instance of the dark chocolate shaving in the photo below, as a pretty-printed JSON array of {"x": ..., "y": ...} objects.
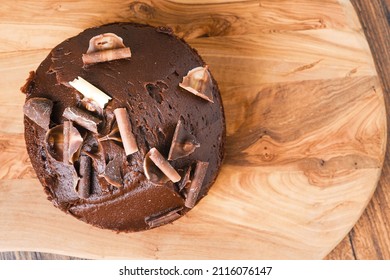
[
  {"x": 82, "y": 118},
  {"x": 109, "y": 120},
  {"x": 186, "y": 181},
  {"x": 95, "y": 151},
  {"x": 104, "y": 185},
  {"x": 84, "y": 186},
  {"x": 114, "y": 135},
  {"x": 112, "y": 172},
  {"x": 183, "y": 143},
  {"x": 54, "y": 140},
  {"x": 38, "y": 110},
  {"x": 105, "y": 47},
  {"x": 72, "y": 143},
  {"x": 196, "y": 184},
  {"x": 155, "y": 221},
  {"x": 75, "y": 177}
]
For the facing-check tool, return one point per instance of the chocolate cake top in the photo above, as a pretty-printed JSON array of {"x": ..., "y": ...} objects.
[{"x": 124, "y": 126}]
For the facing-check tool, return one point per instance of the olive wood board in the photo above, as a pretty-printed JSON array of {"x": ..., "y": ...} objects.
[{"x": 306, "y": 129}]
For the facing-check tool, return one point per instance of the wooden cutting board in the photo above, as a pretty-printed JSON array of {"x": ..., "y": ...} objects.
[{"x": 306, "y": 128}]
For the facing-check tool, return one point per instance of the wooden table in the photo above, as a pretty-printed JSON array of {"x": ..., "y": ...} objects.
[{"x": 369, "y": 239}]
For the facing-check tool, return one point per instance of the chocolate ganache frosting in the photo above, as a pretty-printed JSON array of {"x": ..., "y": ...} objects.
[{"x": 124, "y": 126}]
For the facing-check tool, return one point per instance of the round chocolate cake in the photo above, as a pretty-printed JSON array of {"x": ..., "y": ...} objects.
[{"x": 124, "y": 126}]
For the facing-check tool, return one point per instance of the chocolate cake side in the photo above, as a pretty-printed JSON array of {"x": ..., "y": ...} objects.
[{"x": 144, "y": 154}]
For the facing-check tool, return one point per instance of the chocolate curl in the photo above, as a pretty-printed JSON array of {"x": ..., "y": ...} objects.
[
  {"x": 113, "y": 135},
  {"x": 163, "y": 219},
  {"x": 72, "y": 142},
  {"x": 75, "y": 177},
  {"x": 164, "y": 165},
  {"x": 66, "y": 132},
  {"x": 104, "y": 56},
  {"x": 196, "y": 184},
  {"x": 82, "y": 118},
  {"x": 105, "y": 47},
  {"x": 124, "y": 125},
  {"x": 54, "y": 142},
  {"x": 153, "y": 173},
  {"x": 84, "y": 186}
]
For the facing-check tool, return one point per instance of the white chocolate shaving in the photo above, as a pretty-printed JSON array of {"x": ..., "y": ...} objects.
[{"x": 90, "y": 91}]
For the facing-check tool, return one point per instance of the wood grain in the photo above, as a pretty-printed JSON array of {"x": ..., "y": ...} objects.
[
  {"x": 306, "y": 127},
  {"x": 370, "y": 238}
]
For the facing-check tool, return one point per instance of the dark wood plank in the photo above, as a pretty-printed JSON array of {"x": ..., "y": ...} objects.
[
  {"x": 370, "y": 238},
  {"x": 387, "y": 3},
  {"x": 343, "y": 251},
  {"x": 33, "y": 256},
  {"x": 371, "y": 235}
]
